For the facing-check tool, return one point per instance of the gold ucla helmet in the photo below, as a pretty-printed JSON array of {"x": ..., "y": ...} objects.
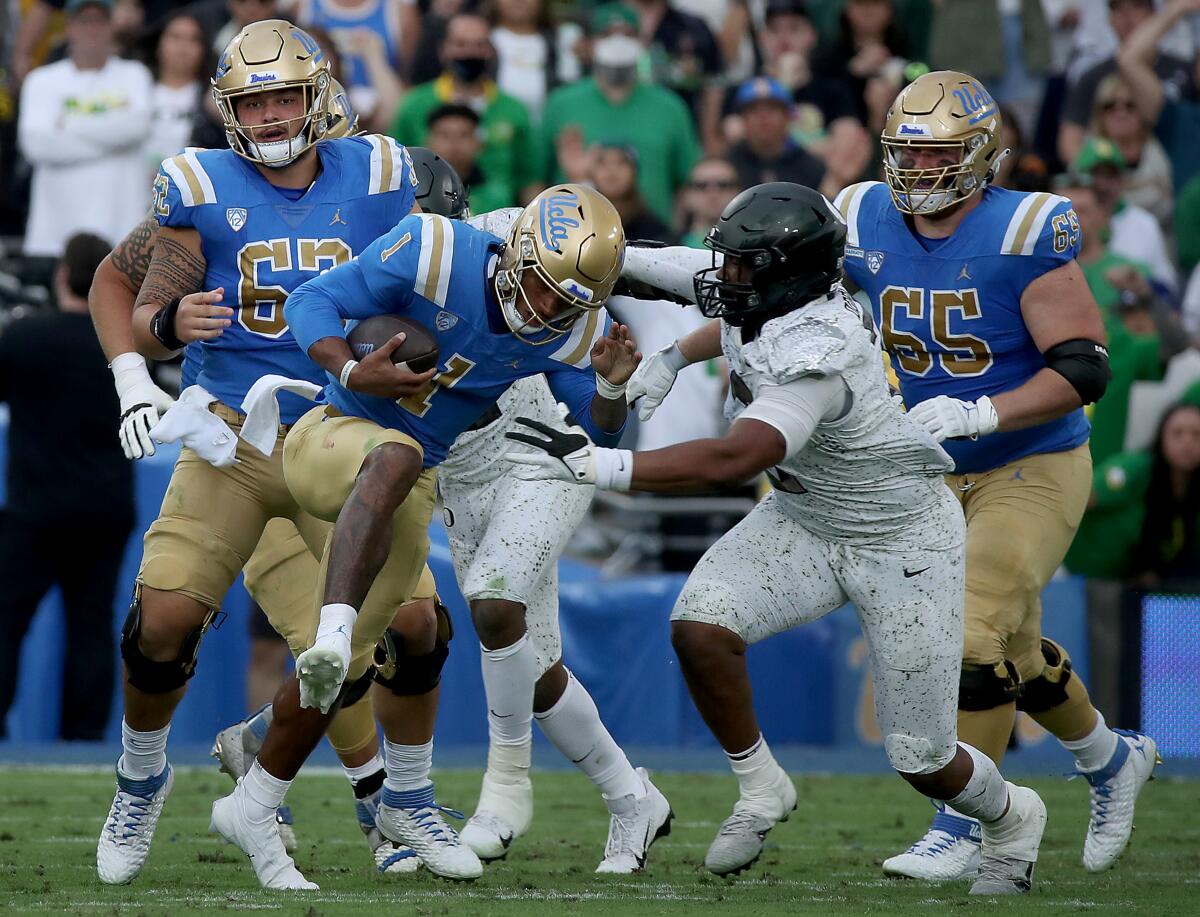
[
  {"x": 941, "y": 109},
  {"x": 571, "y": 237},
  {"x": 341, "y": 120},
  {"x": 264, "y": 56}
]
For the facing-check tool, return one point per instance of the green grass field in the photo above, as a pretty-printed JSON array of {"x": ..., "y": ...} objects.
[{"x": 825, "y": 860}]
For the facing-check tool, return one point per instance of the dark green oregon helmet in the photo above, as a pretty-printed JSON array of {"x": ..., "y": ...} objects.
[
  {"x": 790, "y": 242},
  {"x": 439, "y": 189}
]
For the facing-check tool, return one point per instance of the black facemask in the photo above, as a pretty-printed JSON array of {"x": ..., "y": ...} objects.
[{"x": 469, "y": 69}]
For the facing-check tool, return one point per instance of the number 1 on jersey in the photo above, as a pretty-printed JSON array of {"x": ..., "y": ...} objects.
[{"x": 420, "y": 403}]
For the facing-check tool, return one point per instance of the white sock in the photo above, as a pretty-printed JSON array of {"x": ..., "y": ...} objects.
[
  {"x": 1096, "y": 748},
  {"x": 408, "y": 766},
  {"x": 985, "y": 796},
  {"x": 262, "y": 792},
  {"x": 357, "y": 774},
  {"x": 573, "y": 726},
  {"x": 145, "y": 753},
  {"x": 335, "y": 629},
  {"x": 509, "y": 675},
  {"x": 755, "y": 768}
]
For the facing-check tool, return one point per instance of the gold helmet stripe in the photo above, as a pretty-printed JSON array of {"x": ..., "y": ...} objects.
[
  {"x": 195, "y": 187},
  {"x": 1024, "y": 228},
  {"x": 437, "y": 253}
]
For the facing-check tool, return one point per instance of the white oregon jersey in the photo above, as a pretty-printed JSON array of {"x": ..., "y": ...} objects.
[{"x": 866, "y": 475}]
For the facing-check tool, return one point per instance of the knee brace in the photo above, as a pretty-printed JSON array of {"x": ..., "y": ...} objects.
[
  {"x": 1048, "y": 690},
  {"x": 408, "y": 676},
  {"x": 984, "y": 687},
  {"x": 354, "y": 691},
  {"x": 151, "y": 676}
]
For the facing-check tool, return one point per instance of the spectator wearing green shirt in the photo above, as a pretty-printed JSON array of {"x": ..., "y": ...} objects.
[
  {"x": 613, "y": 107},
  {"x": 1141, "y": 523},
  {"x": 508, "y": 156},
  {"x": 454, "y": 135},
  {"x": 1142, "y": 333}
]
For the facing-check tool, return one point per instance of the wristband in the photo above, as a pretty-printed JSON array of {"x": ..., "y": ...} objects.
[
  {"x": 129, "y": 370},
  {"x": 614, "y": 469},
  {"x": 673, "y": 358},
  {"x": 606, "y": 389},
  {"x": 162, "y": 325},
  {"x": 344, "y": 375}
]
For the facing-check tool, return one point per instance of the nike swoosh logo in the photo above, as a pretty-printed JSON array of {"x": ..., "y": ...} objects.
[
  {"x": 908, "y": 574},
  {"x": 501, "y": 716}
]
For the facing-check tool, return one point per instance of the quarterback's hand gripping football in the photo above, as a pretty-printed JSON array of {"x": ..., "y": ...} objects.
[
  {"x": 653, "y": 379},
  {"x": 142, "y": 403},
  {"x": 568, "y": 455},
  {"x": 948, "y": 418},
  {"x": 376, "y": 374}
]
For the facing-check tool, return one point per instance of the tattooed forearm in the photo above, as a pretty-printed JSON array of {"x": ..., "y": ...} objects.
[
  {"x": 132, "y": 255},
  {"x": 175, "y": 270}
]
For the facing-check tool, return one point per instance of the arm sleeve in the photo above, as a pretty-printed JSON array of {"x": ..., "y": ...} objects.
[
  {"x": 576, "y": 388},
  {"x": 357, "y": 289},
  {"x": 672, "y": 268},
  {"x": 797, "y": 407}
]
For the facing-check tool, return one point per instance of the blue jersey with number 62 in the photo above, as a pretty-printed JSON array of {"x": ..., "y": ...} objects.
[
  {"x": 261, "y": 242},
  {"x": 949, "y": 310}
]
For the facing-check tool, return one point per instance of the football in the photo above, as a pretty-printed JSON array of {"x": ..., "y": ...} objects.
[{"x": 419, "y": 349}]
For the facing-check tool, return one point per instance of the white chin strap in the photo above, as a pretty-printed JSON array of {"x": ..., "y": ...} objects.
[
  {"x": 515, "y": 321},
  {"x": 278, "y": 153}
]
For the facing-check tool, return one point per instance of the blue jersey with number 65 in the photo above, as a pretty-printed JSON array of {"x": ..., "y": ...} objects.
[
  {"x": 261, "y": 242},
  {"x": 949, "y": 310}
]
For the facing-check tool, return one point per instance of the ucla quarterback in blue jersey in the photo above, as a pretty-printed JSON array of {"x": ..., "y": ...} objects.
[
  {"x": 997, "y": 344},
  {"x": 428, "y": 268},
  {"x": 243, "y": 227},
  {"x": 502, "y": 309}
]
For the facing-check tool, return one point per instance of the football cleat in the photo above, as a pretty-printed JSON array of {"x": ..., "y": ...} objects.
[
  {"x": 503, "y": 814},
  {"x": 390, "y": 858},
  {"x": 739, "y": 841},
  {"x": 413, "y": 819},
  {"x": 1010, "y": 846},
  {"x": 949, "y": 850},
  {"x": 1114, "y": 791},
  {"x": 235, "y": 749},
  {"x": 630, "y": 834},
  {"x": 321, "y": 671},
  {"x": 258, "y": 840},
  {"x": 129, "y": 829}
]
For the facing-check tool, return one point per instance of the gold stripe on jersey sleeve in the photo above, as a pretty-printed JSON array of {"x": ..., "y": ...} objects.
[
  {"x": 1026, "y": 224},
  {"x": 436, "y": 245},
  {"x": 586, "y": 340},
  {"x": 385, "y": 165},
  {"x": 193, "y": 182}
]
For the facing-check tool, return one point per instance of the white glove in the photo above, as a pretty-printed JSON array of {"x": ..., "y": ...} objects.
[
  {"x": 948, "y": 418},
  {"x": 142, "y": 403},
  {"x": 652, "y": 380},
  {"x": 568, "y": 455}
]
